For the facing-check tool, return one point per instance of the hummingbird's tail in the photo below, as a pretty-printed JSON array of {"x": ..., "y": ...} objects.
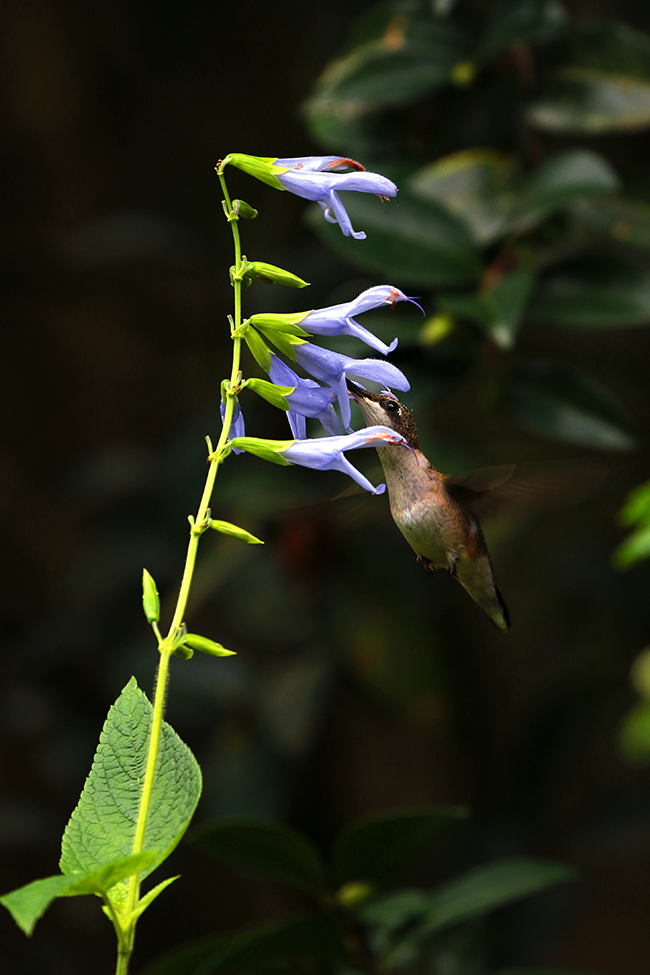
[{"x": 478, "y": 579}]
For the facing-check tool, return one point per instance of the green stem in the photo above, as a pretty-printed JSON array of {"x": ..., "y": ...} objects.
[{"x": 126, "y": 937}]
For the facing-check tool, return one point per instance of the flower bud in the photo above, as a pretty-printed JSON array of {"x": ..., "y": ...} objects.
[{"x": 150, "y": 598}]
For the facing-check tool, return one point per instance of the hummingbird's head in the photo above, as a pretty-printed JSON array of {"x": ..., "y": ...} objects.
[{"x": 384, "y": 409}]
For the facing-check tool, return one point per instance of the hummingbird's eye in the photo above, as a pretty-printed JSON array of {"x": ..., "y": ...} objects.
[{"x": 391, "y": 406}]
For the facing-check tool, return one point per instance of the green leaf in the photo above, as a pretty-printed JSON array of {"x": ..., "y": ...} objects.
[
  {"x": 490, "y": 887},
  {"x": 227, "y": 528},
  {"x": 291, "y": 943},
  {"x": 258, "y": 348},
  {"x": 570, "y": 174},
  {"x": 281, "y": 322},
  {"x": 592, "y": 101},
  {"x": 27, "y": 904},
  {"x": 378, "y": 848},
  {"x": 634, "y": 737},
  {"x": 498, "y": 310},
  {"x": 204, "y": 645},
  {"x": 267, "y": 848},
  {"x": 150, "y": 598},
  {"x": 102, "y": 827},
  {"x": 417, "y": 242},
  {"x": 275, "y": 395},
  {"x": 554, "y": 400},
  {"x": 637, "y": 506},
  {"x": 475, "y": 185},
  {"x": 282, "y": 339},
  {"x": 402, "y": 54},
  {"x": 523, "y": 21},
  {"x": 633, "y": 549},
  {"x": 151, "y": 895},
  {"x": 594, "y": 291},
  {"x": 275, "y": 275},
  {"x": 640, "y": 673},
  {"x": 623, "y": 220}
]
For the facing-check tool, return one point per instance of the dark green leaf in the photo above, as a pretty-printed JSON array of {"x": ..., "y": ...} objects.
[
  {"x": 267, "y": 848},
  {"x": 415, "y": 242},
  {"x": 544, "y": 971},
  {"x": 592, "y": 101},
  {"x": 523, "y": 21},
  {"x": 557, "y": 401},
  {"x": 259, "y": 950},
  {"x": 499, "y": 310},
  {"x": 380, "y": 847},
  {"x": 633, "y": 549},
  {"x": 594, "y": 291},
  {"x": 490, "y": 887},
  {"x": 102, "y": 827},
  {"x": 634, "y": 737}
]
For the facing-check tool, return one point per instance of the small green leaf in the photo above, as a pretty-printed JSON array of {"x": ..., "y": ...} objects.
[
  {"x": 266, "y": 449},
  {"x": 275, "y": 395},
  {"x": 378, "y": 848},
  {"x": 150, "y": 598},
  {"x": 640, "y": 673},
  {"x": 27, "y": 904},
  {"x": 267, "y": 848},
  {"x": 594, "y": 291},
  {"x": 113, "y": 791},
  {"x": 633, "y": 549},
  {"x": 258, "y": 348},
  {"x": 275, "y": 275},
  {"x": 418, "y": 242},
  {"x": 637, "y": 506},
  {"x": 570, "y": 174},
  {"x": 243, "y": 209},
  {"x": 204, "y": 645},
  {"x": 149, "y": 897},
  {"x": 557, "y": 401},
  {"x": 623, "y": 220},
  {"x": 227, "y": 528},
  {"x": 499, "y": 310}
]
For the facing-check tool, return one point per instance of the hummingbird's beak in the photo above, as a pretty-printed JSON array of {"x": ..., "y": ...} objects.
[{"x": 356, "y": 392}]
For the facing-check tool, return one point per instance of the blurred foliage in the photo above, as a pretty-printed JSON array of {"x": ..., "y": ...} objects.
[
  {"x": 361, "y": 924},
  {"x": 531, "y": 231}
]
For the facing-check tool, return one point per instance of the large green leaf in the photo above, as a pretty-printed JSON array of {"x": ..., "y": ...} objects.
[
  {"x": 27, "y": 904},
  {"x": 594, "y": 291},
  {"x": 305, "y": 939},
  {"x": 476, "y": 185},
  {"x": 523, "y": 21},
  {"x": 102, "y": 827},
  {"x": 267, "y": 848},
  {"x": 558, "y": 401},
  {"x": 402, "y": 51},
  {"x": 408, "y": 240},
  {"x": 603, "y": 84},
  {"x": 380, "y": 847}
]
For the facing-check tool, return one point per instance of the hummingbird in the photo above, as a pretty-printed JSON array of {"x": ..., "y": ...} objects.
[{"x": 436, "y": 514}]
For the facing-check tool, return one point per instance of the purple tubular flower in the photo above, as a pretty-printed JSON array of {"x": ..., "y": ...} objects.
[
  {"x": 237, "y": 426},
  {"x": 338, "y": 320},
  {"x": 307, "y": 399},
  {"x": 327, "y": 453},
  {"x": 311, "y": 177},
  {"x": 333, "y": 368}
]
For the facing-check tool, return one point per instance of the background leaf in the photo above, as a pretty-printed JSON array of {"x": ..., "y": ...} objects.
[
  {"x": 518, "y": 21},
  {"x": 594, "y": 291},
  {"x": 414, "y": 242},
  {"x": 558, "y": 401},
  {"x": 272, "y": 849},
  {"x": 102, "y": 827},
  {"x": 378, "y": 848}
]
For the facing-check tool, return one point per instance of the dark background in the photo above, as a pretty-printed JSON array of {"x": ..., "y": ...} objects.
[{"x": 360, "y": 683}]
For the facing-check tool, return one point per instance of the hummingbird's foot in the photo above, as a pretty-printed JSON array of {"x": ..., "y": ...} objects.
[
  {"x": 453, "y": 561},
  {"x": 426, "y": 564}
]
